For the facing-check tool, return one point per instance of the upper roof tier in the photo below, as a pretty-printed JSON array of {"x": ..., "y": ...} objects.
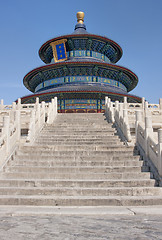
[{"x": 80, "y": 39}]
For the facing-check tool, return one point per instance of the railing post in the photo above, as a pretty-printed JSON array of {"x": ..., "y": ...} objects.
[
  {"x": 146, "y": 110},
  {"x": 55, "y": 109},
  {"x": 106, "y": 106},
  {"x": 111, "y": 111},
  {"x": 116, "y": 105},
  {"x": 109, "y": 102},
  {"x": 31, "y": 131},
  {"x": 120, "y": 110},
  {"x": 37, "y": 101},
  {"x": 160, "y": 106},
  {"x": 125, "y": 115},
  {"x": 18, "y": 124},
  {"x": 6, "y": 131},
  {"x": 160, "y": 152},
  {"x": 143, "y": 102},
  {"x": 106, "y": 100},
  {"x": 43, "y": 111},
  {"x": 37, "y": 107},
  {"x": 19, "y": 104},
  {"x": 14, "y": 106},
  {"x": 126, "y": 129},
  {"x": 148, "y": 131},
  {"x": 1, "y": 104},
  {"x": 125, "y": 103},
  {"x": 138, "y": 120}
]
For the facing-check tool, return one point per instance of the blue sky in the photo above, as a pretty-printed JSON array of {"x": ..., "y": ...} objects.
[{"x": 135, "y": 25}]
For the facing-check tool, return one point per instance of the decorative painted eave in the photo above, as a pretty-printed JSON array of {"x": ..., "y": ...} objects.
[
  {"x": 87, "y": 94},
  {"x": 46, "y": 48},
  {"x": 37, "y": 76}
]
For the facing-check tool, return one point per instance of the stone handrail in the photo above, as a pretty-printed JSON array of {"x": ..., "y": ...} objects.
[
  {"x": 118, "y": 114},
  {"x": 17, "y": 117},
  {"x": 150, "y": 148},
  {"x": 143, "y": 118}
]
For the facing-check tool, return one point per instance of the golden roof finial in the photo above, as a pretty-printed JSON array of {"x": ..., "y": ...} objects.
[{"x": 80, "y": 17}]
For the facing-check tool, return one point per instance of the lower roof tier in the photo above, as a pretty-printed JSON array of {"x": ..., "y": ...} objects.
[
  {"x": 73, "y": 68},
  {"x": 77, "y": 91}
]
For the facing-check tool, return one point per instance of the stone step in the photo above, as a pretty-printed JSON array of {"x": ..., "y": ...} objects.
[
  {"x": 78, "y": 131},
  {"x": 79, "y": 137},
  {"x": 97, "y": 176},
  {"x": 80, "y": 200},
  {"x": 75, "y": 143},
  {"x": 75, "y": 154},
  {"x": 90, "y": 158},
  {"x": 77, "y": 134},
  {"x": 54, "y": 163},
  {"x": 81, "y": 147},
  {"x": 77, "y": 148},
  {"x": 78, "y": 191},
  {"x": 90, "y": 126},
  {"x": 74, "y": 140},
  {"x": 77, "y": 183},
  {"x": 63, "y": 169},
  {"x": 80, "y": 115}
]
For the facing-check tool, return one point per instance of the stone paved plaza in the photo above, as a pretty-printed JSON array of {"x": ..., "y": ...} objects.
[
  {"x": 80, "y": 227},
  {"x": 139, "y": 223}
]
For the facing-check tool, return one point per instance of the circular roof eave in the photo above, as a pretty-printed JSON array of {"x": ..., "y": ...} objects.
[
  {"x": 106, "y": 93},
  {"x": 107, "y": 40},
  {"x": 35, "y": 71}
]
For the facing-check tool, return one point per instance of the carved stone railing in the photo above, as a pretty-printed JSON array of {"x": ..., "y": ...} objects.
[
  {"x": 20, "y": 123},
  {"x": 117, "y": 113},
  {"x": 140, "y": 124},
  {"x": 150, "y": 147}
]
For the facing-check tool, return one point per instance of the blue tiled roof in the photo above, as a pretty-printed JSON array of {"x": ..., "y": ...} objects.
[{"x": 92, "y": 87}]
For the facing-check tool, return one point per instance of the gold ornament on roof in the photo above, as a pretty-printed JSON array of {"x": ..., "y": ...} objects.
[{"x": 80, "y": 17}]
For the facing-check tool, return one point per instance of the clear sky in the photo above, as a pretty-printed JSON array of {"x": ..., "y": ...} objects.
[{"x": 136, "y": 25}]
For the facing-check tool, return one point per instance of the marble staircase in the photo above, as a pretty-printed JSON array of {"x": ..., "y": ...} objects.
[{"x": 78, "y": 160}]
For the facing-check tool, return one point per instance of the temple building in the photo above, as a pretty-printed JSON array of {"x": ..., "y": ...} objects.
[{"x": 80, "y": 70}]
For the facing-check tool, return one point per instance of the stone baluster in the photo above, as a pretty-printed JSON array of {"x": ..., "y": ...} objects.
[
  {"x": 138, "y": 120},
  {"x": 160, "y": 153},
  {"x": 125, "y": 115},
  {"x": 111, "y": 111},
  {"x": 14, "y": 106},
  {"x": 43, "y": 111},
  {"x": 116, "y": 105},
  {"x": 55, "y": 109},
  {"x": 125, "y": 103},
  {"x": 18, "y": 124},
  {"x": 126, "y": 129},
  {"x": 121, "y": 110},
  {"x": 146, "y": 109},
  {"x": 49, "y": 112},
  {"x": 143, "y": 103},
  {"x": 148, "y": 131},
  {"x": 1, "y": 104},
  {"x": 19, "y": 104},
  {"x": 31, "y": 132},
  {"x": 37, "y": 108},
  {"x": 106, "y": 101},
  {"x": 160, "y": 106},
  {"x": 6, "y": 132},
  {"x": 106, "y": 106},
  {"x": 109, "y": 102}
]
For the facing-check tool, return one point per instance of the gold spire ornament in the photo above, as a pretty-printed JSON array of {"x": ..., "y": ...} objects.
[{"x": 80, "y": 17}]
